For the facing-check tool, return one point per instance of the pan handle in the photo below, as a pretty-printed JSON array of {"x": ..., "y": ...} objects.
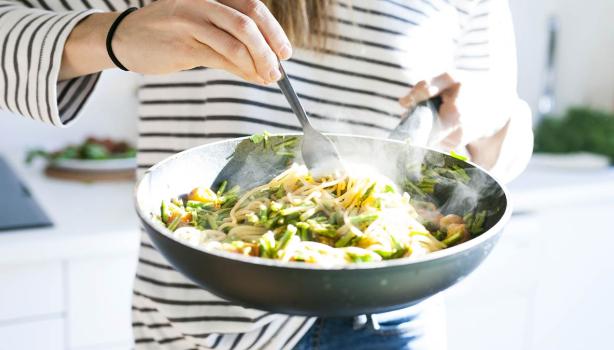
[{"x": 418, "y": 124}]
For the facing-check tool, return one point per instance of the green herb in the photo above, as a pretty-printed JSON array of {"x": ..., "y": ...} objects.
[
  {"x": 580, "y": 129},
  {"x": 457, "y": 156},
  {"x": 258, "y": 138},
  {"x": 389, "y": 189}
]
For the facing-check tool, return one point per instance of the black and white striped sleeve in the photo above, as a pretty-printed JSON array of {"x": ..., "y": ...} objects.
[{"x": 31, "y": 45}]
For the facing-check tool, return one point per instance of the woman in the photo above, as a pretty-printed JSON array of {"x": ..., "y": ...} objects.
[{"x": 353, "y": 62}]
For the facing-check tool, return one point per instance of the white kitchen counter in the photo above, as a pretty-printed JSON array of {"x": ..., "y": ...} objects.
[
  {"x": 89, "y": 219},
  {"x": 542, "y": 188}
]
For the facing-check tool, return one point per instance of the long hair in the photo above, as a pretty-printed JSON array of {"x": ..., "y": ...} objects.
[{"x": 306, "y": 22}]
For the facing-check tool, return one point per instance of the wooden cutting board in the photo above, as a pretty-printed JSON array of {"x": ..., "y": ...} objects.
[{"x": 90, "y": 175}]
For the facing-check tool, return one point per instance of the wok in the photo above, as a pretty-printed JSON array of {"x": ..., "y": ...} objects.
[{"x": 304, "y": 289}]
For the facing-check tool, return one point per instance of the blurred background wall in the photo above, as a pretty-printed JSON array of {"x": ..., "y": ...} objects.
[
  {"x": 585, "y": 48},
  {"x": 584, "y": 74}
]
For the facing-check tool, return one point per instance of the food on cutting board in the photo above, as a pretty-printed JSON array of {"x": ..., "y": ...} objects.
[{"x": 91, "y": 149}]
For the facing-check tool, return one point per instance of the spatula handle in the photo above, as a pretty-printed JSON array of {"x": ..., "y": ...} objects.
[
  {"x": 417, "y": 124},
  {"x": 288, "y": 91}
]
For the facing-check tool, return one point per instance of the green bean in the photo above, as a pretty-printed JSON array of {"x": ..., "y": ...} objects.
[
  {"x": 385, "y": 254},
  {"x": 440, "y": 235},
  {"x": 303, "y": 229},
  {"x": 289, "y": 142},
  {"x": 284, "y": 153},
  {"x": 357, "y": 257},
  {"x": 345, "y": 240},
  {"x": 412, "y": 188},
  {"x": 197, "y": 205},
  {"x": 367, "y": 193},
  {"x": 294, "y": 210},
  {"x": 363, "y": 218},
  {"x": 320, "y": 219},
  {"x": 263, "y": 213},
  {"x": 308, "y": 213},
  {"x": 453, "y": 239},
  {"x": 462, "y": 174},
  {"x": 252, "y": 218},
  {"x": 275, "y": 206},
  {"x": 335, "y": 218},
  {"x": 212, "y": 219},
  {"x": 164, "y": 212},
  {"x": 280, "y": 192},
  {"x": 234, "y": 190},
  {"x": 285, "y": 238},
  {"x": 266, "y": 245},
  {"x": 478, "y": 223},
  {"x": 468, "y": 220},
  {"x": 173, "y": 225},
  {"x": 271, "y": 221},
  {"x": 220, "y": 191}
]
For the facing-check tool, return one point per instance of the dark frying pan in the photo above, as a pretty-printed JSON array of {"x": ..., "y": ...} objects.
[{"x": 304, "y": 289}]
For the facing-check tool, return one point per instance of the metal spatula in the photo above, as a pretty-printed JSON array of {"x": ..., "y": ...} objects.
[
  {"x": 318, "y": 151},
  {"x": 252, "y": 164}
]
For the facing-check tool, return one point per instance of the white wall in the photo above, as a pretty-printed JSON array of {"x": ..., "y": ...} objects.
[
  {"x": 585, "y": 52},
  {"x": 586, "y": 55},
  {"x": 530, "y": 25},
  {"x": 111, "y": 112}
]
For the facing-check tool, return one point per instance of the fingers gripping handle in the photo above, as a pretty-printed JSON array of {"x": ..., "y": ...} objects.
[{"x": 419, "y": 123}]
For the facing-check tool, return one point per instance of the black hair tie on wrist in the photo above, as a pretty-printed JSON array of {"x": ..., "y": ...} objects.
[{"x": 110, "y": 34}]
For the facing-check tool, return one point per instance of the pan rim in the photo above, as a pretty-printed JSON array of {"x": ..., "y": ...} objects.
[{"x": 273, "y": 263}]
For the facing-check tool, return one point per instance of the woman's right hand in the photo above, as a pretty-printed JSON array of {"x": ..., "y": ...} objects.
[{"x": 240, "y": 36}]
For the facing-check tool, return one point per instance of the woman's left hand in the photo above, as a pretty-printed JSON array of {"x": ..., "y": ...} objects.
[
  {"x": 484, "y": 150},
  {"x": 451, "y": 129}
]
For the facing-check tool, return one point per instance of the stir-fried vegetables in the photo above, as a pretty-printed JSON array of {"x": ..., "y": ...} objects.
[{"x": 326, "y": 221}]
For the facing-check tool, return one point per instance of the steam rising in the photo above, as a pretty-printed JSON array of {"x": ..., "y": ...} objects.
[{"x": 401, "y": 163}]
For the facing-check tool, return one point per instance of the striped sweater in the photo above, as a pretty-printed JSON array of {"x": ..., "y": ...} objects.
[{"x": 376, "y": 50}]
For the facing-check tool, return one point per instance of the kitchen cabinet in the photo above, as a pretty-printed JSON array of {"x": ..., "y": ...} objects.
[
  {"x": 43, "y": 334},
  {"x": 99, "y": 298},
  {"x": 77, "y": 304},
  {"x": 30, "y": 290}
]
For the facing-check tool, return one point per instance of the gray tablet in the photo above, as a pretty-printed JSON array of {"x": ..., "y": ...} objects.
[{"x": 18, "y": 210}]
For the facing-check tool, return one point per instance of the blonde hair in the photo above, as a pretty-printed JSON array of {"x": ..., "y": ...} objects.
[{"x": 306, "y": 22}]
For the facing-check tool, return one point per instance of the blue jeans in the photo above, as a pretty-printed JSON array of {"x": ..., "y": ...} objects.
[{"x": 419, "y": 327}]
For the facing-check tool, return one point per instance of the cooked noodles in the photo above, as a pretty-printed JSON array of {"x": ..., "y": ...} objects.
[{"x": 295, "y": 217}]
